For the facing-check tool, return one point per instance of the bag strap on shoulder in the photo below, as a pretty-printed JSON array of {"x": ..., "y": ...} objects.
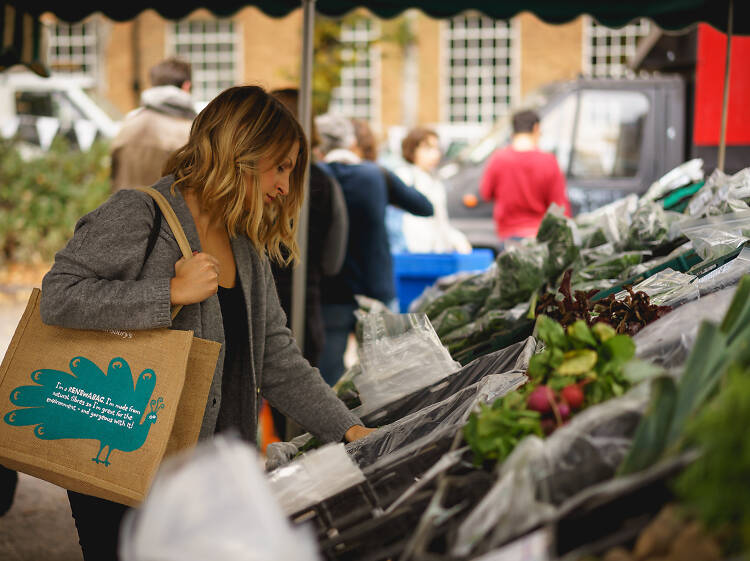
[
  {"x": 172, "y": 220},
  {"x": 174, "y": 224}
]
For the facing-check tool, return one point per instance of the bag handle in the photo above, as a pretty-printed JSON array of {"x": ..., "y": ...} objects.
[{"x": 175, "y": 226}]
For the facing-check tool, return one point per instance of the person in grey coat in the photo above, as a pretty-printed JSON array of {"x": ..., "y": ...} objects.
[{"x": 236, "y": 187}]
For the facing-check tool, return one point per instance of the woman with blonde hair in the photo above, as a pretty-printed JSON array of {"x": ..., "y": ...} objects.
[{"x": 236, "y": 187}]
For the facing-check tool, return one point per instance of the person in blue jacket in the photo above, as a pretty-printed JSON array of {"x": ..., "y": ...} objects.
[{"x": 368, "y": 267}]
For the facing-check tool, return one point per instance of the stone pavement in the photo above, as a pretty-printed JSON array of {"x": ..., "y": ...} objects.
[{"x": 39, "y": 526}]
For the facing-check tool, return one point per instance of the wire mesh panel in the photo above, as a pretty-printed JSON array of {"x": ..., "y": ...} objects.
[
  {"x": 606, "y": 51},
  {"x": 480, "y": 68},
  {"x": 212, "y": 49}
]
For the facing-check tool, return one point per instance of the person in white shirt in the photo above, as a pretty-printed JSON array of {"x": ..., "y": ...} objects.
[{"x": 433, "y": 234}]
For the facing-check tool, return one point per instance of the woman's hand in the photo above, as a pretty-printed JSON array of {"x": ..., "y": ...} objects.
[
  {"x": 356, "y": 432},
  {"x": 195, "y": 279}
]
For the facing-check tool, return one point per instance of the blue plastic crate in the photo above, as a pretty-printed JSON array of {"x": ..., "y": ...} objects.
[{"x": 414, "y": 272}]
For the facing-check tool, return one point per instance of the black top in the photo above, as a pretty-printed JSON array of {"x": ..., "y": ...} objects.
[{"x": 236, "y": 343}]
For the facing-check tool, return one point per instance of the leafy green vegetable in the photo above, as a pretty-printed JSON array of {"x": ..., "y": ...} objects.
[
  {"x": 716, "y": 484},
  {"x": 473, "y": 290},
  {"x": 494, "y": 431},
  {"x": 607, "y": 267},
  {"x": 453, "y": 318},
  {"x": 662, "y": 429},
  {"x": 592, "y": 355},
  {"x": 558, "y": 233},
  {"x": 520, "y": 271}
]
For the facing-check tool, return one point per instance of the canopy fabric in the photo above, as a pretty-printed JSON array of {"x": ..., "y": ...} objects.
[{"x": 668, "y": 14}]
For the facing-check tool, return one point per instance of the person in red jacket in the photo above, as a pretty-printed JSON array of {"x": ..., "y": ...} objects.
[{"x": 523, "y": 181}]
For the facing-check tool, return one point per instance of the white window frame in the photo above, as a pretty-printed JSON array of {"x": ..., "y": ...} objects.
[
  {"x": 619, "y": 45},
  {"x": 480, "y": 113},
  {"x": 208, "y": 82},
  {"x": 356, "y": 39},
  {"x": 81, "y": 43}
]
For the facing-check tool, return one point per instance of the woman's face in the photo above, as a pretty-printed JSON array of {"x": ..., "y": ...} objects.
[
  {"x": 427, "y": 154},
  {"x": 274, "y": 175}
]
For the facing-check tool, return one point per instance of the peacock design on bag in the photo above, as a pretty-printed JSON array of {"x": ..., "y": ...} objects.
[{"x": 88, "y": 404}]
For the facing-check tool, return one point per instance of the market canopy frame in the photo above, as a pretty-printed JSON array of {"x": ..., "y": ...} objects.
[{"x": 667, "y": 14}]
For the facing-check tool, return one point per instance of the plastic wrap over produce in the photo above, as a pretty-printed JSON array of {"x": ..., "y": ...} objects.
[
  {"x": 651, "y": 226},
  {"x": 612, "y": 220},
  {"x": 447, "y": 415},
  {"x": 513, "y": 357},
  {"x": 684, "y": 174},
  {"x": 314, "y": 477},
  {"x": 669, "y": 288},
  {"x": 540, "y": 474},
  {"x": 399, "y": 353},
  {"x": 651, "y": 263},
  {"x": 715, "y": 236},
  {"x": 722, "y": 193},
  {"x": 435, "y": 291},
  {"x": 213, "y": 503},
  {"x": 669, "y": 340},
  {"x": 728, "y": 274}
]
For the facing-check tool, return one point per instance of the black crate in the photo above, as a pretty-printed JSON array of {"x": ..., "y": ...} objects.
[
  {"x": 385, "y": 482},
  {"x": 387, "y": 535}
]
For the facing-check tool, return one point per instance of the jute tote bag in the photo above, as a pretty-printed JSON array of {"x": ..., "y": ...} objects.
[{"x": 96, "y": 411}]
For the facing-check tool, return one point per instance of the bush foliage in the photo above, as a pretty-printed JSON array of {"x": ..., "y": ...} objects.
[{"x": 41, "y": 199}]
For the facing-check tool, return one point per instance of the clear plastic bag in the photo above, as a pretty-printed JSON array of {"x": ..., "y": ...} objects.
[
  {"x": 471, "y": 290},
  {"x": 513, "y": 357},
  {"x": 562, "y": 238},
  {"x": 314, "y": 477},
  {"x": 669, "y": 288},
  {"x": 435, "y": 291},
  {"x": 684, "y": 174},
  {"x": 613, "y": 220},
  {"x": 608, "y": 267},
  {"x": 446, "y": 416},
  {"x": 669, "y": 340},
  {"x": 213, "y": 503},
  {"x": 650, "y": 226},
  {"x": 399, "y": 353},
  {"x": 540, "y": 474},
  {"x": 453, "y": 318},
  {"x": 651, "y": 263},
  {"x": 720, "y": 193},
  {"x": 483, "y": 327},
  {"x": 728, "y": 274},
  {"x": 520, "y": 271},
  {"x": 715, "y": 236}
]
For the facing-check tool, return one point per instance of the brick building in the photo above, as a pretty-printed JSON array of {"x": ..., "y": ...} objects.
[{"x": 462, "y": 73}]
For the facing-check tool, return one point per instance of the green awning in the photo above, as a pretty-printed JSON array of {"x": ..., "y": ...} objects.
[{"x": 668, "y": 14}]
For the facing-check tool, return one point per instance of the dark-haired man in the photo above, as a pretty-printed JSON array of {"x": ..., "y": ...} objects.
[
  {"x": 523, "y": 181},
  {"x": 157, "y": 128}
]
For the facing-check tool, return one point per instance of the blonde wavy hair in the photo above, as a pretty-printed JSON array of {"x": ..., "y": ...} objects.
[{"x": 237, "y": 130}]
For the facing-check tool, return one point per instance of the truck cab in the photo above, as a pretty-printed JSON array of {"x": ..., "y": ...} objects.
[{"x": 611, "y": 137}]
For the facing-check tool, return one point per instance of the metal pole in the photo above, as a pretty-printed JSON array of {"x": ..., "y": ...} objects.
[
  {"x": 725, "y": 102},
  {"x": 305, "y": 116}
]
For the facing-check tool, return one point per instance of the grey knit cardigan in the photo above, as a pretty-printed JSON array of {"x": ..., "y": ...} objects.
[{"x": 100, "y": 281}]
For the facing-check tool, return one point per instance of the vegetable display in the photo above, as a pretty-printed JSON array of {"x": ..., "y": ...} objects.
[
  {"x": 627, "y": 315},
  {"x": 580, "y": 366}
]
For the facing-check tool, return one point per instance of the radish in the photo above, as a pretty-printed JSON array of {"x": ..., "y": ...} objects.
[
  {"x": 564, "y": 410},
  {"x": 573, "y": 396},
  {"x": 548, "y": 425},
  {"x": 541, "y": 399}
]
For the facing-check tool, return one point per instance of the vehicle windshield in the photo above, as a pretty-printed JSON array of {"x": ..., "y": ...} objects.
[{"x": 501, "y": 131}]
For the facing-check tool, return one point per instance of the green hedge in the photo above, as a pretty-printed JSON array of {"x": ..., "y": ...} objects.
[{"x": 41, "y": 199}]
